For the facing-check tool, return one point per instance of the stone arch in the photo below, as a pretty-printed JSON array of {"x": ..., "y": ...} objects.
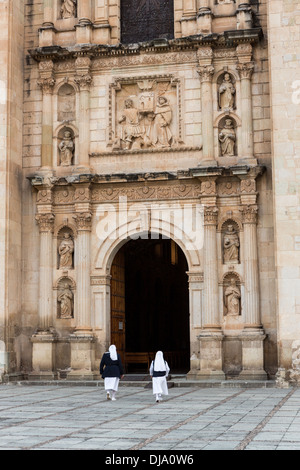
[{"x": 111, "y": 244}]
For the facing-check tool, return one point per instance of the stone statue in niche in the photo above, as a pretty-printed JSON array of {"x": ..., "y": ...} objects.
[
  {"x": 227, "y": 138},
  {"x": 232, "y": 298},
  {"x": 65, "y": 299},
  {"x": 227, "y": 93},
  {"x": 66, "y": 148},
  {"x": 65, "y": 251},
  {"x": 231, "y": 245},
  {"x": 68, "y": 9}
]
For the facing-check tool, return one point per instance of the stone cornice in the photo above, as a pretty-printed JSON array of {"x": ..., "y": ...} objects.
[{"x": 215, "y": 40}]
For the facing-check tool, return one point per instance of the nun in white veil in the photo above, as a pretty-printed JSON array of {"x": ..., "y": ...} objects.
[
  {"x": 159, "y": 371},
  {"x": 111, "y": 369}
]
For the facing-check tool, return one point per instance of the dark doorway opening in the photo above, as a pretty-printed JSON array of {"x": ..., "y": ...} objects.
[{"x": 156, "y": 304}]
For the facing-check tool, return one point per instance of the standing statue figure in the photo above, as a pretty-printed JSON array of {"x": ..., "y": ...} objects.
[
  {"x": 232, "y": 298},
  {"x": 66, "y": 148},
  {"x": 65, "y": 299},
  {"x": 163, "y": 117},
  {"x": 226, "y": 93},
  {"x": 68, "y": 9},
  {"x": 132, "y": 129},
  {"x": 227, "y": 137},
  {"x": 66, "y": 250},
  {"x": 231, "y": 245}
]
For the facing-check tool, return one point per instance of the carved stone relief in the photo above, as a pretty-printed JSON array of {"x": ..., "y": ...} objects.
[{"x": 145, "y": 113}]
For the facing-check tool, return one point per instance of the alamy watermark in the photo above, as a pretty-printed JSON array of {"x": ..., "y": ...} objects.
[
  {"x": 175, "y": 220},
  {"x": 296, "y": 93}
]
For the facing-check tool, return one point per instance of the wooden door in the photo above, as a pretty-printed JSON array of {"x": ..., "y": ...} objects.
[{"x": 118, "y": 304}]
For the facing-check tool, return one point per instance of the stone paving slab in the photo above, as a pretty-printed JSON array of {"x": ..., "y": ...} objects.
[{"x": 42, "y": 417}]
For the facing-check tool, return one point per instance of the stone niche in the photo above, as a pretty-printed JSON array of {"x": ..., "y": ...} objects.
[{"x": 145, "y": 114}]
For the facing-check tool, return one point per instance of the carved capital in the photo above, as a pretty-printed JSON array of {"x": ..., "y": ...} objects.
[
  {"x": 47, "y": 84},
  {"x": 249, "y": 214},
  {"x": 206, "y": 73},
  {"x": 45, "y": 222},
  {"x": 84, "y": 81},
  {"x": 245, "y": 70},
  {"x": 83, "y": 221},
  {"x": 211, "y": 215}
]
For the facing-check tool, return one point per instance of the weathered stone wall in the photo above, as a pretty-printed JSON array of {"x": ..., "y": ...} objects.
[
  {"x": 11, "y": 111},
  {"x": 284, "y": 49}
]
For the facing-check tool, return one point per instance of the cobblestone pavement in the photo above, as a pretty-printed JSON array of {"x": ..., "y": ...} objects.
[{"x": 190, "y": 418}]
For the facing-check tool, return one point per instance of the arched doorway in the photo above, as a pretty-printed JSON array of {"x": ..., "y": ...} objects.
[{"x": 150, "y": 303}]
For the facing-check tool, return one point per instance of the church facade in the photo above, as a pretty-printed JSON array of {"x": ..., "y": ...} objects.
[{"x": 150, "y": 187}]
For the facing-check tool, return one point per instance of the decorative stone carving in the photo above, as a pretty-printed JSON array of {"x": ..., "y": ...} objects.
[
  {"x": 67, "y": 148},
  {"x": 83, "y": 221},
  {"x": 65, "y": 251},
  {"x": 65, "y": 299},
  {"x": 45, "y": 222},
  {"x": 249, "y": 214},
  {"x": 231, "y": 245},
  {"x": 227, "y": 138},
  {"x": 68, "y": 9},
  {"x": 226, "y": 93},
  {"x": 206, "y": 73},
  {"x": 145, "y": 113},
  {"x": 245, "y": 70},
  {"x": 232, "y": 296},
  {"x": 211, "y": 215},
  {"x": 47, "y": 84}
]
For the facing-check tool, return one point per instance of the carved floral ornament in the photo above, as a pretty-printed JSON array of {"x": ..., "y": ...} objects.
[
  {"x": 45, "y": 222},
  {"x": 249, "y": 214},
  {"x": 83, "y": 221}
]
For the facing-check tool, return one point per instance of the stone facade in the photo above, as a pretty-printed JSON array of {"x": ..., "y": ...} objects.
[{"x": 182, "y": 137}]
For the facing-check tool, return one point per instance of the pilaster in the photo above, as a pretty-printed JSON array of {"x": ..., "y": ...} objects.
[
  {"x": 206, "y": 72},
  {"x": 47, "y": 82}
]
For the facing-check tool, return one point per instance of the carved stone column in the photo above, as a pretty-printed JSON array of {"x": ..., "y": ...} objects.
[
  {"x": 253, "y": 335},
  {"x": 245, "y": 69},
  {"x": 102, "y": 27},
  {"x": 189, "y": 18},
  {"x": 196, "y": 311},
  {"x": 84, "y": 26},
  {"x": 43, "y": 351},
  {"x": 84, "y": 80},
  {"x": 204, "y": 21},
  {"x": 47, "y": 82},
  {"x": 47, "y": 31},
  {"x": 211, "y": 362},
  {"x": 206, "y": 72},
  {"x": 244, "y": 15},
  {"x": 82, "y": 340}
]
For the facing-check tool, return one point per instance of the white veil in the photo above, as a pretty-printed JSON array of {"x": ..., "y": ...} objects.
[
  {"x": 113, "y": 353},
  {"x": 159, "y": 363}
]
